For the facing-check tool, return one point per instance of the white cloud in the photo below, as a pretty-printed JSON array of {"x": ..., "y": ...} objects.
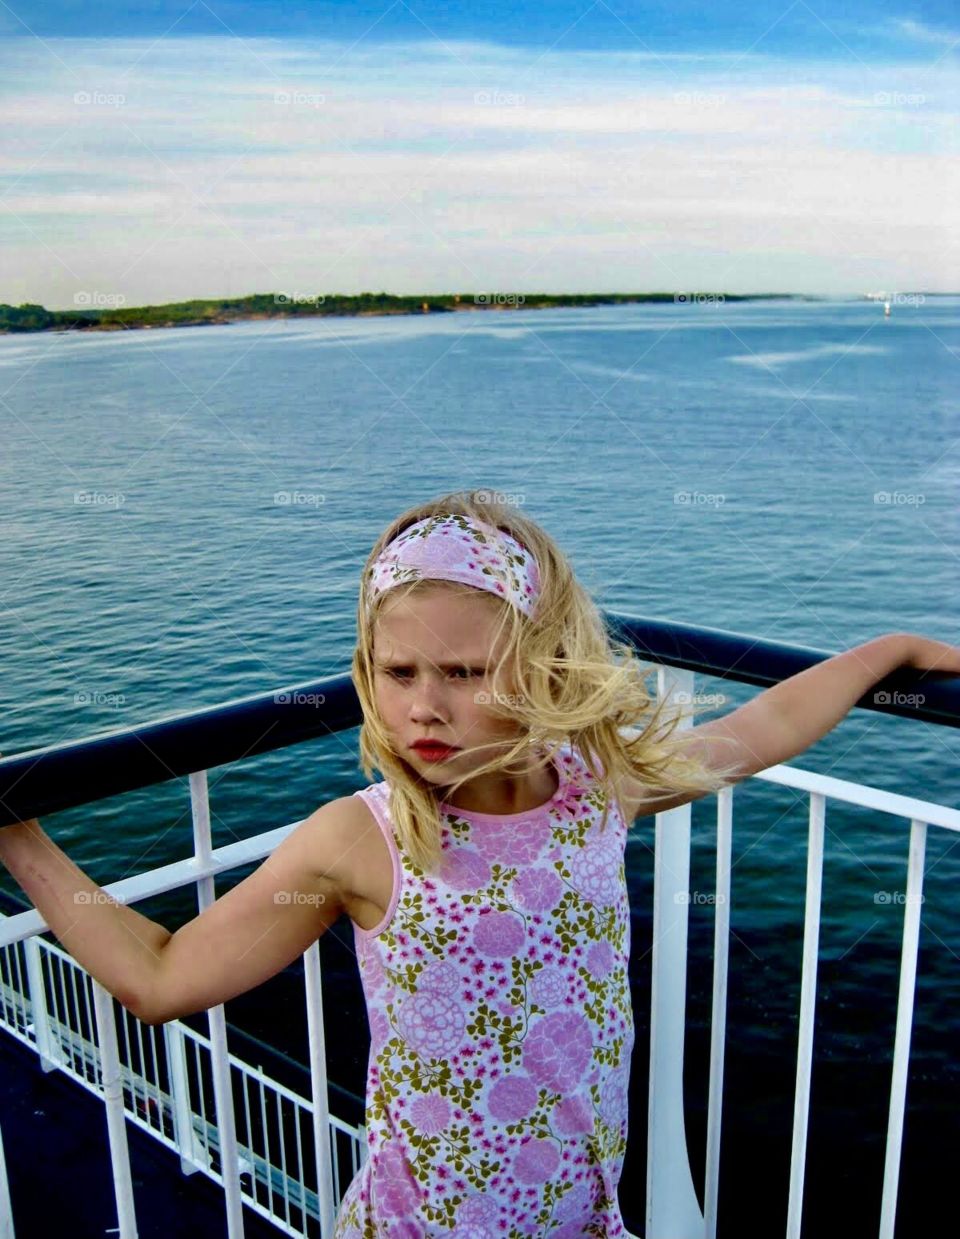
[
  {"x": 926, "y": 34},
  {"x": 182, "y": 176}
]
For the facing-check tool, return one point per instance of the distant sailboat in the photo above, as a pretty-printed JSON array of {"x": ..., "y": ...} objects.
[{"x": 886, "y": 309}]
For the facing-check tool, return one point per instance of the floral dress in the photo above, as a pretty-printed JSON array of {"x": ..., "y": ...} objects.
[{"x": 501, "y": 1027}]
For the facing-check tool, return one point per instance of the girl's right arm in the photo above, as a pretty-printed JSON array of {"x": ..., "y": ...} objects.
[{"x": 244, "y": 937}]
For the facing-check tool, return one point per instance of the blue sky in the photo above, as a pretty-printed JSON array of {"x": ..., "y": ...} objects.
[
  {"x": 792, "y": 28},
  {"x": 174, "y": 150}
]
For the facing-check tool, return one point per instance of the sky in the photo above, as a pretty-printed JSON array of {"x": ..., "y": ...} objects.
[{"x": 166, "y": 151}]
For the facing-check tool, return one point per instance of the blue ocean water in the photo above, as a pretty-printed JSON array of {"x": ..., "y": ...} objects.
[{"x": 187, "y": 512}]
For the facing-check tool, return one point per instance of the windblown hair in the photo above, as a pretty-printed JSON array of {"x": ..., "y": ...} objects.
[{"x": 569, "y": 682}]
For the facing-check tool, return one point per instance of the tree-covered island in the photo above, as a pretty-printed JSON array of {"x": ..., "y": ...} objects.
[{"x": 89, "y": 316}]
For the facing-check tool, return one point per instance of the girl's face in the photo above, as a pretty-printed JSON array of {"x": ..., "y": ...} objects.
[{"x": 434, "y": 655}]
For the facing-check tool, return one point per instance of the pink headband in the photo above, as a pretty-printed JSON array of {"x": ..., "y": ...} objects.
[{"x": 455, "y": 548}]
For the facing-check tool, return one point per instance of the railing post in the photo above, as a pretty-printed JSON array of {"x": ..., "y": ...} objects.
[
  {"x": 673, "y": 1211},
  {"x": 180, "y": 1095},
  {"x": 901, "y": 1047},
  {"x": 116, "y": 1116},
  {"x": 318, "y": 1086},
  {"x": 808, "y": 1002},
  {"x": 718, "y": 1011},
  {"x": 38, "y": 1004},
  {"x": 219, "y": 1055}
]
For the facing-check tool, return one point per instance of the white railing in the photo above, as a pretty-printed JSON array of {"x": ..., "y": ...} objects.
[
  {"x": 673, "y": 1210},
  {"x": 279, "y": 1153}
]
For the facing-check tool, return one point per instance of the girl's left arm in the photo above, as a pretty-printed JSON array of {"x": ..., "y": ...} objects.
[{"x": 788, "y": 718}]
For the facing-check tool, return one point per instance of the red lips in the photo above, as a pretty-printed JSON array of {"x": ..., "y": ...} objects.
[{"x": 433, "y": 749}]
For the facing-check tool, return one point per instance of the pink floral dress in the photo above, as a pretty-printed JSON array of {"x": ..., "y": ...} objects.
[{"x": 501, "y": 1027}]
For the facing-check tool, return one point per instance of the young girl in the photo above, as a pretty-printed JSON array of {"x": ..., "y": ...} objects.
[{"x": 484, "y": 875}]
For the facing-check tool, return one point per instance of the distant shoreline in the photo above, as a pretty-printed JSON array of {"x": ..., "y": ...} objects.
[{"x": 217, "y": 312}]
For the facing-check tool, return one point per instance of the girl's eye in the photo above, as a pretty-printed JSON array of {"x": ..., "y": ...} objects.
[{"x": 403, "y": 673}]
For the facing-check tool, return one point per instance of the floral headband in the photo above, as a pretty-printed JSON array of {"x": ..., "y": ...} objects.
[{"x": 456, "y": 548}]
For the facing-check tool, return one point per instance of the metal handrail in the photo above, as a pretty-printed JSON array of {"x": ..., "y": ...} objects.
[{"x": 65, "y": 776}]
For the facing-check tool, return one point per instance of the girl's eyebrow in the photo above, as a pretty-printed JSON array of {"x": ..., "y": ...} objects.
[{"x": 398, "y": 664}]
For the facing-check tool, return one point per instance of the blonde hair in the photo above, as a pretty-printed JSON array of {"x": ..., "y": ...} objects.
[{"x": 572, "y": 683}]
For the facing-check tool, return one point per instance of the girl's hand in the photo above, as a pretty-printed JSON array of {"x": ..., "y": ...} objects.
[{"x": 925, "y": 654}]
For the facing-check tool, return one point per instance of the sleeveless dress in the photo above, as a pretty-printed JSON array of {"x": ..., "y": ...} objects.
[{"x": 501, "y": 1027}]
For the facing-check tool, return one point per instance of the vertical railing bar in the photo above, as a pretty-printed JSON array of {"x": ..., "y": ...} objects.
[
  {"x": 673, "y": 1209},
  {"x": 204, "y": 1120},
  {"x": 150, "y": 1075},
  {"x": 718, "y": 1015},
  {"x": 79, "y": 1008},
  {"x": 142, "y": 1069},
  {"x": 20, "y": 966},
  {"x": 154, "y": 1090},
  {"x": 13, "y": 978},
  {"x": 278, "y": 1102},
  {"x": 13, "y": 981},
  {"x": 38, "y": 1003},
  {"x": 149, "y": 1072},
  {"x": 222, "y": 1090},
  {"x": 249, "y": 1130},
  {"x": 87, "y": 982},
  {"x": 901, "y": 1045},
  {"x": 301, "y": 1168},
  {"x": 334, "y": 1141},
  {"x": 180, "y": 1093},
  {"x": 86, "y": 1006},
  {"x": 128, "y": 1051},
  {"x": 53, "y": 1003},
  {"x": 316, "y": 1037},
  {"x": 808, "y": 998},
  {"x": 112, "y": 1086},
  {"x": 266, "y": 1140}
]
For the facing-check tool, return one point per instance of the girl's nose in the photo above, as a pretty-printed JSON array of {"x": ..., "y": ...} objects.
[{"x": 427, "y": 703}]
